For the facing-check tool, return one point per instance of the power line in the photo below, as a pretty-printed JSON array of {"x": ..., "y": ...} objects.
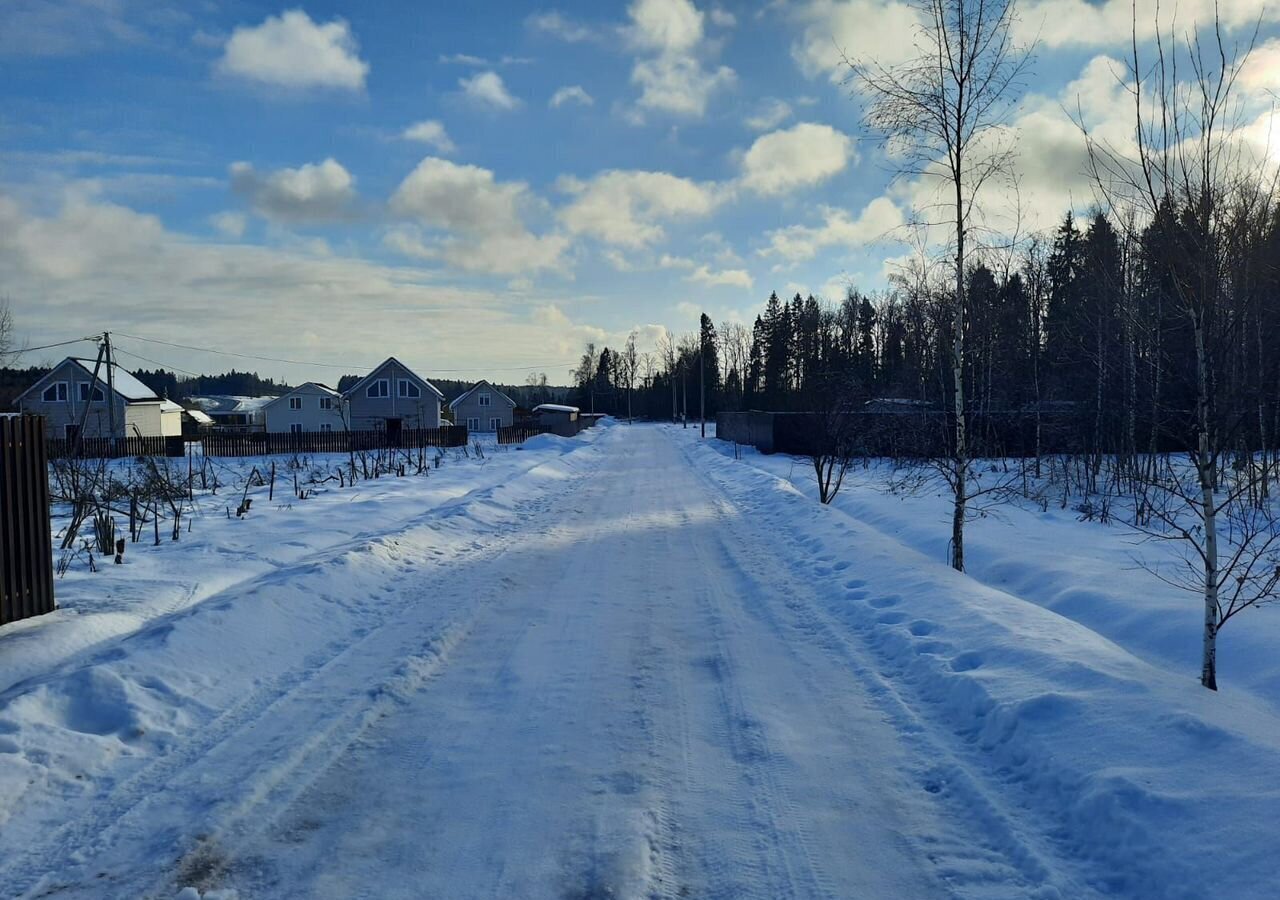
[
  {"x": 23, "y": 350},
  {"x": 154, "y": 362},
  {"x": 349, "y": 367}
]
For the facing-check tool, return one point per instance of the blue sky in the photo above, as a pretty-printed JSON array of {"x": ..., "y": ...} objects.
[{"x": 478, "y": 187}]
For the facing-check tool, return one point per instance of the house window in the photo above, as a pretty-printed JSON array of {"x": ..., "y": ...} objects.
[
  {"x": 407, "y": 388},
  {"x": 379, "y": 388},
  {"x": 473, "y": 424},
  {"x": 495, "y": 423},
  {"x": 484, "y": 399},
  {"x": 295, "y": 403},
  {"x": 326, "y": 403},
  {"x": 55, "y": 393},
  {"x": 98, "y": 396},
  {"x": 326, "y": 426},
  {"x": 295, "y": 428}
]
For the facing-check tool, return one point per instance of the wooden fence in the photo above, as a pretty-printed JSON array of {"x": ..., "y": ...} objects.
[
  {"x": 106, "y": 448},
  {"x": 26, "y": 551},
  {"x": 265, "y": 444},
  {"x": 518, "y": 434}
]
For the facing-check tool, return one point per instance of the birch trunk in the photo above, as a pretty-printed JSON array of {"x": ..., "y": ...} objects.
[
  {"x": 961, "y": 473},
  {"x": 1209, "y": 652}
]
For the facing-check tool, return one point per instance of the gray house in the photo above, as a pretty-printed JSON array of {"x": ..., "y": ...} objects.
[
  {"x": 70, "y": 394},
  {"x": 309, "y": 407},
  {"x": 391, "y": 398},
  {"x": 483, "y": 408}
]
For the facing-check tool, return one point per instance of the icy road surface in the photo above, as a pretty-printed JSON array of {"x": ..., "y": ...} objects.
[{"x": 617, "y": 676}]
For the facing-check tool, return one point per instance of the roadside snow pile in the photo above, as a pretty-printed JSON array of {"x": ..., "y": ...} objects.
[
  {"x": 1098, "y": 575},
  {"x": 1134, "y": 769},
  {"x": 151, "y": 664},
  {"x": 551, "y": 442}
]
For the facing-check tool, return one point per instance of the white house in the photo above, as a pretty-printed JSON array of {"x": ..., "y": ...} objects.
[
  {"x": 308, "y": 407},
  {"x": 483, "y": 408},
  {"x": 391, "y": 398},
  {"x": 233, "y": 413},
  {"x": 69, "y": 394}
]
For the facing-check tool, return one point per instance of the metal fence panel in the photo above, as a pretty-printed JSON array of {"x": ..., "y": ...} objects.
[{"x": 26, "y": 551}]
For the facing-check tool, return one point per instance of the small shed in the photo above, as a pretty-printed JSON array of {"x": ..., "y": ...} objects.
[{"x": 557, "y": 419}]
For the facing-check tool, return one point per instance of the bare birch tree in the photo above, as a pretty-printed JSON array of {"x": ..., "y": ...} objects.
[
  {"x": 1186, "y": 156},
  {"x": 943, "y": 114}
]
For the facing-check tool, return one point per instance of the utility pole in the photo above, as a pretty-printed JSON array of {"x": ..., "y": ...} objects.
[
  {"x": 111, "y": 391},
  {"x": 684, "y": 389}
]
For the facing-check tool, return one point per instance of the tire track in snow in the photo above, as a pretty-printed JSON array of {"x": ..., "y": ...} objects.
[
  {"x": 122, "y": 818},
  {"x": 1013, "y": 856}
]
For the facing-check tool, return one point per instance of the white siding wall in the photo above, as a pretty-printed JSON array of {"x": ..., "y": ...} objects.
[{"x": 280, "y": 417}]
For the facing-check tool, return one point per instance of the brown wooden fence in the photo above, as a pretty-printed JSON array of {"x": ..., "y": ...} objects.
[
  {"x": 26, "y": 551},
  {"x": 264, "y": 444},
  {"x": 106, "y": 448},
  {"x": 518, "y": 434}
]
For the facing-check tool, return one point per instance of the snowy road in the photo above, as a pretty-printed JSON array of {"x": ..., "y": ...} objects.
[
  {"x": 629, "y": 718},
  {"x": 628, "y": 688}
]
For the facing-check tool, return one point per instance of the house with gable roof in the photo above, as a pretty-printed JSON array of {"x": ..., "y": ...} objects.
[
  {"x": 70, "y": 394},
  {"x": 392, "y": 398}
]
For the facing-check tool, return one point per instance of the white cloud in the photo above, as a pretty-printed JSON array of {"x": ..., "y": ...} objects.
[
  {"x": 797, "y": 157},
  {"x": 486, "y": 89},
  {"x": 481, "y": 220},
  {"x": 626, "y": 208},
  {"x": 292, "y": 51},
  {"x": 665, "y": 26},
  {"x": 671, "y": 75},
  {"x": 724, "y": 278},
  {"x": 560, "y": 26},
  {"x": 231, "y": 224},
  {"x": 1110, "y": 23},
  {"x": 315, "y": 192},
  {"x": 573, "y": 93},
  {"x": 273, "y": 301},
  {"x": 667, "y": 261},
  {"x": 722, "y": 18},
  {"x": 861, "y": 29},
  {"x": 462, "y": 59},
  {"x": 678, "y": 84},
  {"x": 1262, "y": 70},
  {"x": 771, "y": 113},
  {"x": 431, "y": 133},
  {"x": 798, "y": 243}
]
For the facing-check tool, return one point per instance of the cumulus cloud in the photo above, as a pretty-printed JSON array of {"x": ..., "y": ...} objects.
[
  {"x": 477, "y": 221},
  {"x": 292, "y": 51},
  {"x": 1110, "y": 23},
  {"x": 431, "y": 133},
  {"x": 315, "y": 192},
  {"x": 859, "y": 29},
  {"x": 738, "y": 278},
  {"x": 487, "y": 90},
  {"x": 230, "y": 224},
  {"x": 573, "y": 93},
  {"x": 797, "y": 157},
  {"x": 129, "y": 267},
  {"x": 797, "y": 243},
  {"x": 772, "y": 113},
  {"x": 626, "y": 208},
  {"x": 670, "y": 38},
  {"x": 560, "y": 26}
]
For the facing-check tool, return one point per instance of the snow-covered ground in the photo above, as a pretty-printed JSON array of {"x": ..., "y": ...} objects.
[{"x": 629, "y": 665}]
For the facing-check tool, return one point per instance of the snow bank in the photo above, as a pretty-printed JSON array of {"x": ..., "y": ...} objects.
[
  {"x": 1153, "y": 783},
  {"x": 150, "y": 664}
]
